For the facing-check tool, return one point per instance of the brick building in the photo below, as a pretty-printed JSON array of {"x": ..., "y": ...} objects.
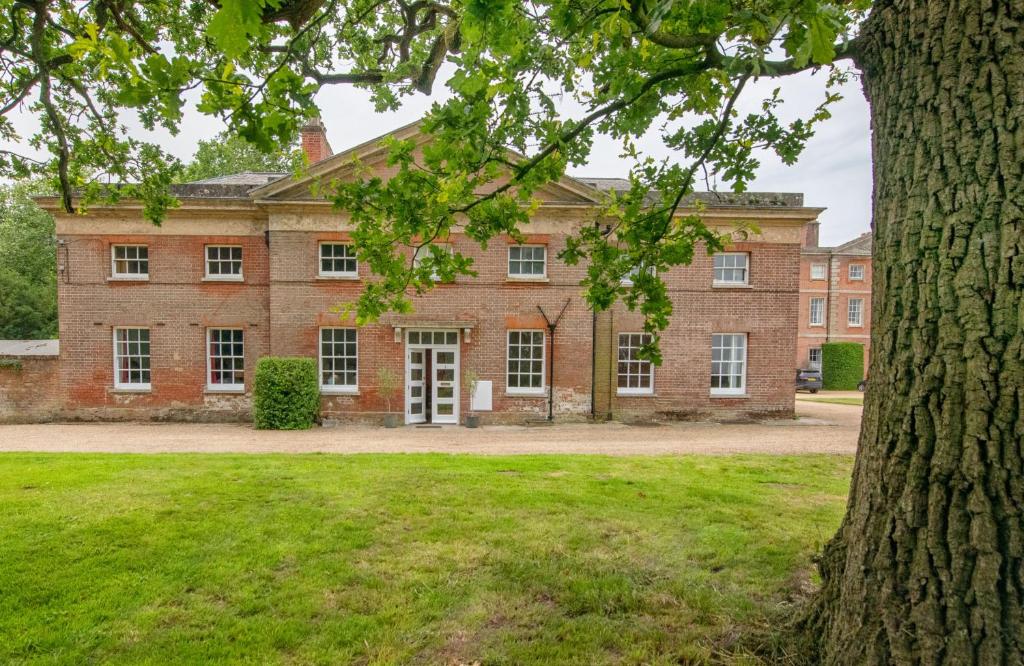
[
  {"x": 835, "y": 296},
  {"x": 169, "y": 321}
]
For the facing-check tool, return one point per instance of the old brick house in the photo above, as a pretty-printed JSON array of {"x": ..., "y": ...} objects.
[
  {"x": 835, "y": 296},
  {"x": 169, "y": 321}
]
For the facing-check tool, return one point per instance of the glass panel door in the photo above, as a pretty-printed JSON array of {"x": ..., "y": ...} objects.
[
  {"x": 414, "y": 384},
  {"x": 445, "y": 386}
]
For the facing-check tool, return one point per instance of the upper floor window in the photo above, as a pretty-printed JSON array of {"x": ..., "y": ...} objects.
[
  {"x": 424, "y": 253},
  {"x": 527, "y": 261},
  {"x": 129, "y": 261},
  {"x": 635, "y": 374},
  {"x": 629, "y": 278},
  {"x": 339, "y": 360},
  {"x": 225, "y": 359},
  {"x": 525, "y": 362},
  {"x": 338, "y": 260},
  {"x": 856, "y": 271},
  {"x": 817, "y": 311},
  {"x": 731, "y": 268},
  {"x": 224, "y": 262},
  {"x": 818, "y": 271},
  {"x": 131, "y": 358},
  {"x": 728, "y": 363},
  {"x": 855, "y": 312}
]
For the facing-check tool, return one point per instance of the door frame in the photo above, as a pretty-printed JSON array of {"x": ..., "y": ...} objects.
[
  {"x": 455, "y": 347},
  {"x": 411, "y": 418}
]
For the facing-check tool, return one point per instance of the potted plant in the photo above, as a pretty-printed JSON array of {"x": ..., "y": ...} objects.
[
  {"x": 387, "y": 387},
  {"x": 470, "y": 379}
]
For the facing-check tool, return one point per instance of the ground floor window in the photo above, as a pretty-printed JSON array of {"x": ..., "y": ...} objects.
[
  {"x": 225, "y": 359},
  {"x": 339, "y": 359},
  {"x": 635, "y": 374},
  {"x": 526, "y": 361},
  {"x": 728, "y": 363},
  {"x": 131, "y": 358},
  {"x": 814, "y": 358}
]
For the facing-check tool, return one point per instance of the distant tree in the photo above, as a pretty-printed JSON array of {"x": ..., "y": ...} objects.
[
  {"x": 227, "y": 154},
  {"x": 28, "y": 273}
]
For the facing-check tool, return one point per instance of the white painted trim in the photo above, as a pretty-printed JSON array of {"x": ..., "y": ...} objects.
[
  {"x": 334, "y": 389},
  {"x": 114, "y": 275},
  {"x": 128, "y": 386},
  {"x": 224, "y": 388},
  {"x": 529, "y": 391},
  {"x": 526, "y": 277},
  {"x": 344, "y": 275}
]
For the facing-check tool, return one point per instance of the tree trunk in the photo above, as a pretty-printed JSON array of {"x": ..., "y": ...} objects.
[{"x": 928, "y": 565}]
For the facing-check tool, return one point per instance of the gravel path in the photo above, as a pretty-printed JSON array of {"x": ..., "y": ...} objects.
[{"x": 821, "y": 428}]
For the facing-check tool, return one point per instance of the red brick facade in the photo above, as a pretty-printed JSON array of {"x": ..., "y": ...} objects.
[
  {"x": 282, "y": 301},
  {"x": 825, "y": 275}
]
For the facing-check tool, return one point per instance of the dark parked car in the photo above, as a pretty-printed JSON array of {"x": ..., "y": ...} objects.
[{"x": 808, "y": 380}]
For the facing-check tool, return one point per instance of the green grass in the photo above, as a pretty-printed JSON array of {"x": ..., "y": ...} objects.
[
  {"x": 424, "y": 559},
  {"x": 859, "y": 401}
]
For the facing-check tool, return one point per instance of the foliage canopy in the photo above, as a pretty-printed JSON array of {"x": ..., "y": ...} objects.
[{"x": 531, "y": 85}]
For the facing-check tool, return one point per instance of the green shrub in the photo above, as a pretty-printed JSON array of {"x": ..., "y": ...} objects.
[
  {"x": 286, "y": 394},
  {"x": 842, "y": 365}
]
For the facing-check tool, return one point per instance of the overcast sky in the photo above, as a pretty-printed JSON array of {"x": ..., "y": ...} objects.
[{"x": 834, "y": 172}]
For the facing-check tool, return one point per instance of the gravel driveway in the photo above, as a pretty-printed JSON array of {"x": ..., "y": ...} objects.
[{"x": 820, "y": 428}]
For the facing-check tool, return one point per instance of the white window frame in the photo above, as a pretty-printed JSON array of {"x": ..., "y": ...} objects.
[
  {"x": 810, "y": 315},
  {"x": 223, "y": 388},
  {"x": 227, "y": 277},
  {"x": 337, "y": 389},
  {"x": 530, "y": 390},
  {"x": 349, "y": 255},
  {"x": 730, "y": 283},
  {"x": 627, "y": 390},
  {"x": 824, "y": 271},
  {"x": 422, "y": 252},
  {"x": 850, "y": 320},
  {"x": 860, "y": 272},
  {"x": 811, "y": 363},
  {"x": 528, "y": 276},
  {"x": 732, "y": 390},
  {"x": 130, "y": 385},
  {"x": 627, "y": 279},
  {"x": 118, "y": 275}
]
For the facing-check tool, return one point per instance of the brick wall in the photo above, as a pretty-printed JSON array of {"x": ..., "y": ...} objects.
[
  {"x": 765, "y": 311},
  {"x": 176, "y": 305},
  {"x": 837, "y": 289},
  {"x": 282, "y": 303},
  {"x": 29, "y": 388}
]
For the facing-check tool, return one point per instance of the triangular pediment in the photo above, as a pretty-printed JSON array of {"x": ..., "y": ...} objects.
[{"x": 371, "y": 157}]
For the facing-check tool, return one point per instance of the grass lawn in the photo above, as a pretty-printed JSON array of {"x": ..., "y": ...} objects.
[
  {"x": 424, "y": 559},
  {"x": 835, "y": 401}
]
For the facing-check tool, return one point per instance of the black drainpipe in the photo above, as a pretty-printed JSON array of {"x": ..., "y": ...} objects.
[
  {"x": 552, "y": 325},
  {"x": 593, "y": 364}
]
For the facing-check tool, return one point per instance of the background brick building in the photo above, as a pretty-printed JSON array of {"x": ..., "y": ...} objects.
[
  {"x": 237, "y": 272},
  {"x": 835, "y": 296}
]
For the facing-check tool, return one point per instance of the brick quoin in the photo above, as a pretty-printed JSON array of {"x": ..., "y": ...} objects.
[{"x": 282, "y": 303}]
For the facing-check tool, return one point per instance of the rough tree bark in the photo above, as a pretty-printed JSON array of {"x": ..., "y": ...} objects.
[{"x": 928, "y": 565}]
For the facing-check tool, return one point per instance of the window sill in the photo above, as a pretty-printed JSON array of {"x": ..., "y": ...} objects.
[
  {"x": 235, "y": 390},
  {"x": 520, "y": 280},
  {"x": 731, "y": 285},
  {"x": 128, "y": 278},
  {"x": 855, "y": 326},
  {"x": 233, "y": 278},
  {"x": 635, "y": 394},
  {"x": 727, "y": 396},
  {"x": 816, "y": 325},
  {"x": 527, "y": 394},
  {"x": 132, "y": 389},
  {"x": 330, "y": 391},
  {"x": 340, "y": 276}
]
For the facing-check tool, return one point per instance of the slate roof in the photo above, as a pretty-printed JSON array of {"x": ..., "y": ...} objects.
[
  {"x": 859, "y": 246},
  {"x": 29, "y": 347},
  {"x": 238, "y": 186}
]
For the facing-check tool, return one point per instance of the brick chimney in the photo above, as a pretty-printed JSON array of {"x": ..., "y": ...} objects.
[
  {"x": 314, "y": 141},
  {"x": 810, "y": 233}
]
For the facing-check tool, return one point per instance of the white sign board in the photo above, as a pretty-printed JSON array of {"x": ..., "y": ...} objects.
[{"x": 480, "y": 400}]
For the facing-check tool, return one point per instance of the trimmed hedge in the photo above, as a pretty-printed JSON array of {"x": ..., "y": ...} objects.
[
  {"x": 286, "y": 394},
  {"x": 842, "y": 365}
]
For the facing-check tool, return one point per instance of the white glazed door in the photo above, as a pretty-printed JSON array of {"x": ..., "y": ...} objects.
[
  {"x": 415, "y": 400},
  {"x": 445, "y": 387}
]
